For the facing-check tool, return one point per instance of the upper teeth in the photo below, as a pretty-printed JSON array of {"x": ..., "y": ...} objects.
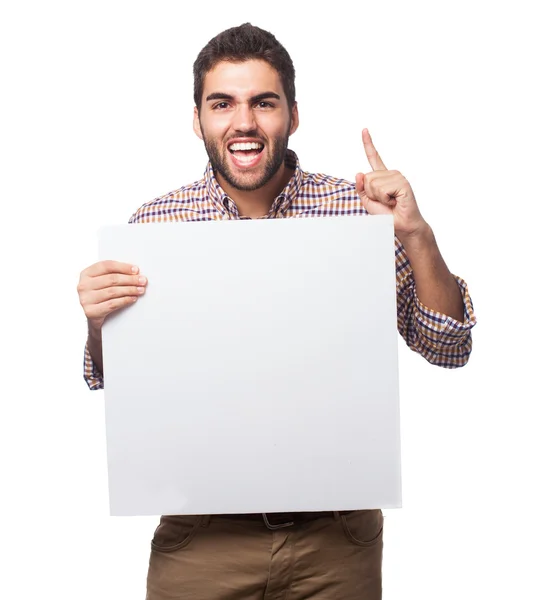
[{"x": 246, "y": 146}]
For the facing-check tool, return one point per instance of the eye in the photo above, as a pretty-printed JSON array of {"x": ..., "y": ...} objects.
[
  {"x": 220, "y": 106},
  {"x": 264, "y": 104}
]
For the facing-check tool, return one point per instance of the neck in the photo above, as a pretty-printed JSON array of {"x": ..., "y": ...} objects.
[{"x": 257, "y": 203}]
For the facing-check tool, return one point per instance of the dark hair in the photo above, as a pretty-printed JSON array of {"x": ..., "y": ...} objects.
[{"x": 240, "y": 44}]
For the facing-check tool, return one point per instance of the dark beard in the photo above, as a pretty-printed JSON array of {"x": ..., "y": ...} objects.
[{"x": 271, "y": 168}]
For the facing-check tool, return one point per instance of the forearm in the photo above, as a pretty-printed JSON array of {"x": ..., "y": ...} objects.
[
  {"x": 94, "y": 344},
  {"x": 436, "y": 287}
]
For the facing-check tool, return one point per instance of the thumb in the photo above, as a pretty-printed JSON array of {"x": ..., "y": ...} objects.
[{"x": 360, "y": 179}]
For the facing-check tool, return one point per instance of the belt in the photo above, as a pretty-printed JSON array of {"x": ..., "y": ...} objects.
[{"x": 284, "y": 519}]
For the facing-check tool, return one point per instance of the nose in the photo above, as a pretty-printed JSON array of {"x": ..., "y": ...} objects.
[{"x": 244, "y": 118}]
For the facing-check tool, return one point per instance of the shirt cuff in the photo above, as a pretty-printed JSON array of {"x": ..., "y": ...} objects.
[
  {"x": 92, "y": 376},
  {"x": 440, "y": 329}
]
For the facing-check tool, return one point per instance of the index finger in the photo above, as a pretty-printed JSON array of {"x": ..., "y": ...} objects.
[
  {"x": 372, "y": 155},
  {"x": 104, "y": 267}
]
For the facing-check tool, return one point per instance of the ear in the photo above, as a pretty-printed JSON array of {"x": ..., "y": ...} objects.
[
  {"x": 196, "y": 124},
  {"x": 295, "y": 119}
]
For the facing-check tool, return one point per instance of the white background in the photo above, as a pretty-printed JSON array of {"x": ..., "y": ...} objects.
[{"x": 96, "y": 120}]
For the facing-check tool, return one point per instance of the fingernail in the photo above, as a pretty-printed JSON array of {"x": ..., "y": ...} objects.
[
  {"x": 140, "y": 290},
  {"x": 135, "y": 269},
  {"x": 142, "y": 280}
]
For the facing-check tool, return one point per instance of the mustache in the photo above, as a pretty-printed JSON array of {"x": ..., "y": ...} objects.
[{"x": 248, "y": 137}]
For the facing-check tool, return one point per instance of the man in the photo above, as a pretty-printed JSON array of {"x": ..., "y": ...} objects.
[{"x": 245, "y": 112}]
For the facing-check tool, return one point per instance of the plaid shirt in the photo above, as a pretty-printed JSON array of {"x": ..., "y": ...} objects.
[{"x": 440, "y": 339}]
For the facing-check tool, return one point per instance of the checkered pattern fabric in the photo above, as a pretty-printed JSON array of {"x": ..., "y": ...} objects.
[{"x": 440, "y": 339}]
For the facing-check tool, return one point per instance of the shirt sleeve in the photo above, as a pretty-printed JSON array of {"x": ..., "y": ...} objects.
[
  {"x": 440, "y": 339},
  {"x": 92, "y": 376}
]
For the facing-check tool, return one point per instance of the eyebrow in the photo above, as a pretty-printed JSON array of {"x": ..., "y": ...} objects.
[{"x": 254, "y": 99}]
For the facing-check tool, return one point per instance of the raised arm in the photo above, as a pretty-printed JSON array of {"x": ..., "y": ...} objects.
[{"x": 433, "y": 306}]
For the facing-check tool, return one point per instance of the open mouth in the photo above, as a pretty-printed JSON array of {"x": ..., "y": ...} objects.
[{"x": 246, "y": 153}]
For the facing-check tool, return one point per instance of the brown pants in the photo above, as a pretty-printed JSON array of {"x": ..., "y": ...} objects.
[{"x": 321, "y": 556}]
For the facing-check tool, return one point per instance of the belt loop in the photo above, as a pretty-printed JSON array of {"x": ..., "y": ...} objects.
[
  {"x": 206, "y": 520},
  {"x": 336, "y": 515}
]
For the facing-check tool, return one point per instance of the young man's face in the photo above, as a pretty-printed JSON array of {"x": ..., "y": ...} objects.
[{"x": 244, "y": 122}]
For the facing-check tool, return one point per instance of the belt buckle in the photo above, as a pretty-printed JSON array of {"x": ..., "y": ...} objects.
[{"x": 277, "y": 525}]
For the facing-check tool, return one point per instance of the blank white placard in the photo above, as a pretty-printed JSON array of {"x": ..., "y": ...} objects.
[{"x": 259, "y": 371}]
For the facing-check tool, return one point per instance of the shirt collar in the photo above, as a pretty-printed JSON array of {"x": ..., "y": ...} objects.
[{"x": 224, "y": 204}]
